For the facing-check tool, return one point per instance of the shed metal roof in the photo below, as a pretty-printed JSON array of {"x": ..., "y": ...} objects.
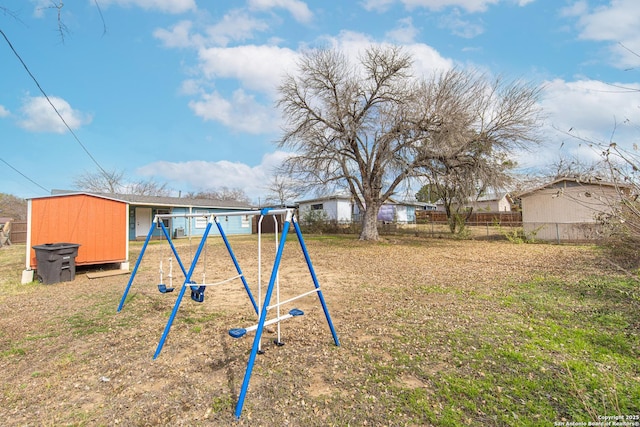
[
  {"x": 563, "y": 182},
  {"x": 135, "y": 199}
]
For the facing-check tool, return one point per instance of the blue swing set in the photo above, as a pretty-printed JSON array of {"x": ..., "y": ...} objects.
[{"x": 261, "y": 308}]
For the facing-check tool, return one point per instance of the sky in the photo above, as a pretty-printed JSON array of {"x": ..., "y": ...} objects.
[{"x": 184, "y": 91}]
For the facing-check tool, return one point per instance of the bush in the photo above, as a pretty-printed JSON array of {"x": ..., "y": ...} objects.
[
  {"x": 314, "y": 222},
  {"x": 621, "y": 235}
]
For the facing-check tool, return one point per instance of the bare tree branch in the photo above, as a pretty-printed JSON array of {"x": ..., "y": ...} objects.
[{"x": 371, "y": 126}]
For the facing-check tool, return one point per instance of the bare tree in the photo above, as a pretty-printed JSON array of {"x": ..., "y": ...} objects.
[
  {"x": 573, "y": 167},
  {"x": 282, "y": 190},
  {"x": 13, "y": 207},
  {"x": 370, "y": 126},
  {"x": 148, "y": 188},
  {"x": 101, "y": 182},
  {"x": 221, "y": 194},
  {"x": 115, "y": 182},
  {"x": 622, "y": 223}
]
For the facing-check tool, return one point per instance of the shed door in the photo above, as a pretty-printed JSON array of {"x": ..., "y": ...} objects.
[{"x": 143, "y": 221}]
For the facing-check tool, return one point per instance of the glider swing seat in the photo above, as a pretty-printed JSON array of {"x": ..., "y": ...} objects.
[{"x": 263, "y": 306}]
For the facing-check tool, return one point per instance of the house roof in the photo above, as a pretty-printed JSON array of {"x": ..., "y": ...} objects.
[
  {"x": 572, "y": 181},
  {"x": 336, "y": 196},
  {"x": 135, "y": 199}
]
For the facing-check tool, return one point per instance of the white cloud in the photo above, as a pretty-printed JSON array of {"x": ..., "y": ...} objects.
[
  {"x": 405, "y": 32},
  {"x": 261, "y": 69},
  {"x": 425, "y": 58},
  {"x": 592, "y": 109},
  {"x": 377, "y": 5},
  {"x": 581, "y": 113},
  {"x": 470, "y": 6},
  {"x": 167, "y": 6},
  {"x": 459, "y": 26},
  {"x": 577, "y": 8},
  {"x": 39, "y": 116},
  {"x": 258, "y": 68},
  {"x": 4, "y": 112},
  {"x": 298, "y": 9},
  {"x": 199, "y": 175},
  {"x": 616, "y": 22},
  {"x": 178, "y": 36},
  {"x": 236, "y": 25},
  {"x": 241, "y": 113}
]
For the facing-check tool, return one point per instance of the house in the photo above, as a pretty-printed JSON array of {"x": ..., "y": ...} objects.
[
  {"x": 103, "y": 224},
  {"x": 490, "y": 202},
  {"x": 342, "y": 208},
  {"x": 338, "y": 207},
  {"x": 567, "y": 209},
  {"x": 142, "y": 210},
  {"x": 399, "y": 212}
]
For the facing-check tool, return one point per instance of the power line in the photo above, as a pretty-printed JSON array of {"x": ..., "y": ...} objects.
[
  {"x": 23, "y": 175},
  {"x": 52, "y": 106}
]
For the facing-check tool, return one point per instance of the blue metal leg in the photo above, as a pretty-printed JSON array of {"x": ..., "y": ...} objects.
[
  {"x": 135, "y": 268},
  {"x": 263, "y": 316},
  {"x": 315, "y": 281},
  {"x": 187, "y": 280}
]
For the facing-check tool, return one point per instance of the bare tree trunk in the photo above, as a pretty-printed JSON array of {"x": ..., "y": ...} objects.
[{"x": 370, "y": 224}]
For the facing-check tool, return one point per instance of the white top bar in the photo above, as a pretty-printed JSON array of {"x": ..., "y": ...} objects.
[{"x": 265, "y": 211}]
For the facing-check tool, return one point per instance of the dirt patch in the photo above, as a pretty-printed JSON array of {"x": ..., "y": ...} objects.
[{"x": 68, "y": 358}]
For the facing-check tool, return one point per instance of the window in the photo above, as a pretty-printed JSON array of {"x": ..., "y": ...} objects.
[
  {"x": 165, "y": 221},
  {"x": 317, "y": 207},
  {"x": 201, "y": 221},
  {"x": 245, "y": 221}
]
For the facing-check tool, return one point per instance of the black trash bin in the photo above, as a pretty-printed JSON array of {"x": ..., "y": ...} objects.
[{"x": 56, "y": 262}]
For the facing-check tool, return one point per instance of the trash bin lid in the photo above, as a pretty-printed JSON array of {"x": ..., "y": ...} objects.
[{"x": 55, "y": 246}]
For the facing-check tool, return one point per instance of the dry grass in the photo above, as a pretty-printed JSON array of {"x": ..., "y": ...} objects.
[{"x": 433, "y": 332}]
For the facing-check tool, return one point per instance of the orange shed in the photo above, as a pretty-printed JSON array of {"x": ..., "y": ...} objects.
[{"x": 98, "y": 224}]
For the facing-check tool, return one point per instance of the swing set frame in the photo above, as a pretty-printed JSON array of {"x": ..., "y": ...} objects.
[{"x": 262, "y": 306}]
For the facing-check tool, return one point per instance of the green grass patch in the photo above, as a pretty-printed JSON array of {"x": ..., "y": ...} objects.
[
  {"x": 561, "y": 352},
  {"x": 12, "y": 352}
]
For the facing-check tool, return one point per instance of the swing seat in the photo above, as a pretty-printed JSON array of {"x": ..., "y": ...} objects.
[
  {"x": 296, "y": 312},
  {"x": 163, "y": 288},
  {"x": 237, "y": 332},
  {"x": 197, "y": 293},
  {"x": 240, "y": 332}
]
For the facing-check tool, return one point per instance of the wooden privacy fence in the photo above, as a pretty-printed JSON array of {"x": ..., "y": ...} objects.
[
  {"x": 508, "y": 219},
  {"x": 18, "y": 232}
]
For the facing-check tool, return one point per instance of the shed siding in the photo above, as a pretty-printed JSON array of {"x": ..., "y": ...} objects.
[
  {"x": 566, "y": 212},
  {"x": 98, "y": 225},
  {"x": 570, "y": 204}
]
